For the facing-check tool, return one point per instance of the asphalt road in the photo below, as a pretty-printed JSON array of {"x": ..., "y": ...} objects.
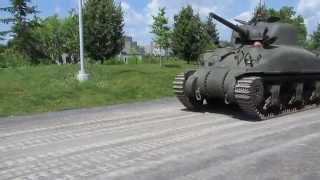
[{"x": 158, "y": 140}]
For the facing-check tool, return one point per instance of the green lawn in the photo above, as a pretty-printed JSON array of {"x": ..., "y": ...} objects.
[{"x": 53, "y": 88}]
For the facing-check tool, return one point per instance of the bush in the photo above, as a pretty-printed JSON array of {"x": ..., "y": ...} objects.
[
  {"x": 134, "y": 60},
  {"x": 114, "y": 61},
  {"x": 2, "y": 48},
  {"x": 12, "y": 58},
  {"x": 151, "y": 60}
]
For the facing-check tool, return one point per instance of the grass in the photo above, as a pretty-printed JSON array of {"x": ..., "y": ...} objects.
[{"x": 29, "y": 89}]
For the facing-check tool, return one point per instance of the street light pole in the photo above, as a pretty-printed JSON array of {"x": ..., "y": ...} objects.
[{"x": 82, "y": 76}]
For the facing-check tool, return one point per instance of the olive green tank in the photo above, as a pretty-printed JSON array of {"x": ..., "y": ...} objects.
[{"x": 264, "y": 72}]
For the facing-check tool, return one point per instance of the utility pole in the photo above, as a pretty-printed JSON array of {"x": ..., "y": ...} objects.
[{"x": 82, "y": 75}]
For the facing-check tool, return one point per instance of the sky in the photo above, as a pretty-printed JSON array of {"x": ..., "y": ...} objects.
[{"x": 138, "y": 13}]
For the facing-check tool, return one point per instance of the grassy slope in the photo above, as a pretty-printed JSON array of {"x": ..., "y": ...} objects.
[{"x": 53, "y": 88}]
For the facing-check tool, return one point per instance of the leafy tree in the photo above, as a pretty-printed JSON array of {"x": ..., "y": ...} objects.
[
  {"x": 23, "y": 17},
  {"x": 103, "y": 29},
  {"x": 289, "y": 15},
  {"x": 315, "y": 39},
  {"x": 212, "y": 31},
  {"x": 261, "y": 13},
  {"x": 190, "y": 37},
  {"x": 57, "y": 36},
  {"x": 70, "y": 33},
  {"x": 49, "y": 37},
  {"x": 161, "y": 30}
]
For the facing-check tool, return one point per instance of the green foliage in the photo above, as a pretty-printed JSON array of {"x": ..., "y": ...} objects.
[
  {"x": 212, "y": 32},
  {"x": 190, "y": 37},
  {"x": 261, "y": 13},
  {"x": 211, "y": 46},
  {"x": 161, "y": 30},
  {"x": 57, "y": 36},
  {"x": 23, "y": 41},
  {"x": 53, "y": 88},
  {"x": 289, "y": 15},
  {"x": 103, "y": 29},
  {"x": 114, "y": 61},
  {"x": 2, "y": 48},
  {"x": 150, "y": 60},
  {"x": 10, "y": 58},
  {"x": 315, "y": 39}
]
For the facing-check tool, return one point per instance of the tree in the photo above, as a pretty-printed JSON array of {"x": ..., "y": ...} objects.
[
  {"x": 190, "y": 37},
  {"x": 212, "y": 31},
  {"x": 315, "y": 39},
  {"x": 161, "y": 30},
  {"x": 70, "y": 34},
  {"x": 103, "y": 21},
  {"x": 289, "y": 15},
  {"x": 261, "y": 13},
  {"x": 24, "y": 19},
  {"x": 57, "y": 36},
  {"x": 49, "y": 37}
]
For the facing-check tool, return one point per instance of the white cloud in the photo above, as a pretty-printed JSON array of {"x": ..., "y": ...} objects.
[
  {"x": 138, "y": 22},
  {"x": 245, "y": 16},
  {"x": 310, "y": 9},
  {"x": 203, "y": 7},
  {"x": 135, "y": 23}
]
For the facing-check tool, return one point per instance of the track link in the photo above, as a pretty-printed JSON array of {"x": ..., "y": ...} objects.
[
  {"x": 179, "y": 87},
  {"x": 246, "y": 94}
]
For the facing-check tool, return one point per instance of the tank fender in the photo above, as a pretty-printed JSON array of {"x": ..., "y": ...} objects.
[{"x": 215, "y": 81}]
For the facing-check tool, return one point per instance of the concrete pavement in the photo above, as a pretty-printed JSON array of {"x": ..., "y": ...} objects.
[{"x": 159, "y": 140}]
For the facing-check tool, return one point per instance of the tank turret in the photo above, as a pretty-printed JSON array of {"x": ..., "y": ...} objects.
[
  {"x": 242, "y": 32},
  {"x": 264, "y": 73},
  {"x": 264, "y": 30}
]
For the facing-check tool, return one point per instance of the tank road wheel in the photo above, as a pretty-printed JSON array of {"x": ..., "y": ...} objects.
[
  {"x": 315, "y": 97},
  {"x": 249, "y": 94},
  {"x": 190, "y": 100}
]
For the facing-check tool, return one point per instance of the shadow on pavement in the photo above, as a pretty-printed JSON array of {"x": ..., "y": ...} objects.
[{"x": 229, "y": 110}]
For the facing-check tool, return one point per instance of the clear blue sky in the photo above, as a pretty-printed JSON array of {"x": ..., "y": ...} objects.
[{"x": 138, "y": 12}]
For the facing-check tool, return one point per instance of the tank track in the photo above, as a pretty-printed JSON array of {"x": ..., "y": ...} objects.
[
  {"x": 245, "y": 98},
  {"x": 178, "y": 85}
]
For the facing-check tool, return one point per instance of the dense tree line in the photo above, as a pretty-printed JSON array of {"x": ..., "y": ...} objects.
[
  {"x": 314, "y": 42},
  {"x": 47, "y": 39},
  {"x": 189, "y": 36}
]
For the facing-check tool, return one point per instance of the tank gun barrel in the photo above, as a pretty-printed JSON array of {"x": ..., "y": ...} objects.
[{"x": 243, "y": 34}]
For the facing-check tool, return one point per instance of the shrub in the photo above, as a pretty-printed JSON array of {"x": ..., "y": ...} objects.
[
  {"x": 114, "y": 61},
  {"x": 151, "y": 60},
  {"x": 12, "y": 58}
]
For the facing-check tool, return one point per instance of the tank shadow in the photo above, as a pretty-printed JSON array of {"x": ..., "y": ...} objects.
[{"x": 229, "y": 110}]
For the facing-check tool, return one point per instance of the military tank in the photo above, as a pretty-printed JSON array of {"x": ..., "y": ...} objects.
[{"x": 264, "y": 72}]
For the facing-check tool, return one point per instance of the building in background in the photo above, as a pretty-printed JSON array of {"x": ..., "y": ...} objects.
[
  {"x": 131, "y": 49},
  {"x": 154, "y": 50}
]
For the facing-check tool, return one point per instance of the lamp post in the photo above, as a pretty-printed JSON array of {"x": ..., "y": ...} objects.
[{"x": 82, "y": 75}]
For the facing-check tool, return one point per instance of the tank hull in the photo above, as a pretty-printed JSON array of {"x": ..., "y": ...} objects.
[{"x": 281, "y": 70}]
